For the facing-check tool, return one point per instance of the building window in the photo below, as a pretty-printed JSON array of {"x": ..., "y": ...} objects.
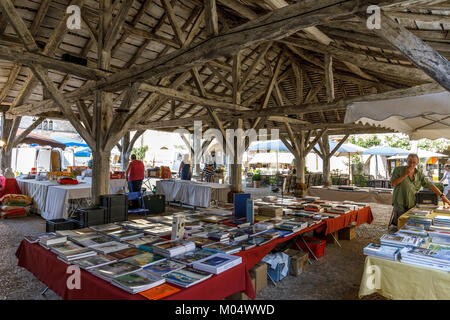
[
  {"x": 50, "y": 125},
  {"x": 44, "y": 125}
]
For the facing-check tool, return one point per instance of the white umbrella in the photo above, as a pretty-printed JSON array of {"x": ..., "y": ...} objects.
[
  {"x": 422, "y": 154},
  {"x": 425, "y": 116}
]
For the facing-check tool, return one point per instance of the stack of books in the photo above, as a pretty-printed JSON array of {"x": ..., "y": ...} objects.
[
  {"x": 165, "y": 266},
  {"x": 113, "y": 270},
  {"x": 292, "y": 226},
  {"x": 91, "y": 239},
  {"x": 172, "y": 248},
  {"x": 442, "y": 209},
  {"x": 223, "y": 248},
  {"x": 219, "y": 235},
  {"x": 138, "y": 281},
  {"x": 144, "y": 240},
  {"x": 238, "y": 235},
  {"x": 313, "y": 208},
  {"x": 420, "y": 217},
  {"x": 200, "y": 241},
  {"x": 109, "y": 247},
  {"x": 186, "y": 277},
  {"x": 126, "y": 253},
  {"x": 441, "y": 221},
  {"x": 94, "y": 261},
  {"x": 382, "y": 251},
  {"x": 217, "y": 263},
  {"x": 159, "y": 230},
  {"x": 193, "y": 256},
  {"x": 442, "y": 237},
  {"x": 125, "y": 234},
  {"x": 414, "y": 230},
  {"x": 46, "y": 239},
  {"x": 426, "y": 258},
  {"x": 69, "y": 251},
  {"x": 401, "y": 240}
]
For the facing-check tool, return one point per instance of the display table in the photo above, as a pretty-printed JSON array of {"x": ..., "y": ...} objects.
[
  {"x": 404, "y": 217},
  {"x": 57, "y": 202},
  {"x": 197, "y": 194},
  {"x": 359, "y": 195},
  {"x": 396, "y": 280},
  {"x": 116, "y": 185},
  {"x": 9, "y": 186},
  {"x": 37, "y": 190},
  {"x": 51, "y": 199},
  {"x": 53, "y": 273}
]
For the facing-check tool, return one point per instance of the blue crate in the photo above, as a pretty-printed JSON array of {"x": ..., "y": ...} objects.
[{"x": 275, "y": 274}]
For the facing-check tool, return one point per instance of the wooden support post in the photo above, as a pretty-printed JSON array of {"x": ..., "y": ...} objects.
[
  {"x": 236, "y": 166},
  {"x": 124, "y": 155}
]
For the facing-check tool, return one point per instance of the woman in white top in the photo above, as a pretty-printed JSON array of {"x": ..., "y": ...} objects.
[{"x": 446, "y": 179}]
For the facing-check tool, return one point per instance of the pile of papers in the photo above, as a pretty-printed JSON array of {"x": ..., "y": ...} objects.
[{"x": 442, "y": 221}]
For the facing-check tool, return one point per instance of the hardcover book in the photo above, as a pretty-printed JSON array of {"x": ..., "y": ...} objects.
[
  {"x": 126, "y": 253},
  {"x": 144, "y": 259},
  {"x": 193, "y": 256},
  {"x": 137, "y": 281},
  {"x": 113, "y": 270},
  {"x": 94, "y": 261},
  {"x": 164, "y": 266},
  {"x": 217, "y": 263},
  {"x": 186, "y": 277}
]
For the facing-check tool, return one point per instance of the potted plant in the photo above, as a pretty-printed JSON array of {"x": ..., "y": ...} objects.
[
  {"x": 273, "y": 182},
  {"x": 256, "y": 178}
]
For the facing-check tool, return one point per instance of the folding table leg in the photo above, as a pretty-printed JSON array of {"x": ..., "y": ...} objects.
[
  {"x": 44, "y": 291},
  {"x": 335, "y": 240},
  {"x": 307, "y": 247},
  {"x": 298, "y": 247},
  {"x": 274, "y": 283}
]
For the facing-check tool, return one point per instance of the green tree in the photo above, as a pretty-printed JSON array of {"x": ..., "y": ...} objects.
[
  {"x": 365, "y": 142},
  {"x": 438, "y": 145},
  {"x": 398, "y": 142},
  {"x": 140, "y": 152}
]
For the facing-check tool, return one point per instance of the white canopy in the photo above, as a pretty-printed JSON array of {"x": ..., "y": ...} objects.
[
  {"x": 271, "y": 157},
  {"x": 423, "y": 154},
  {"x": 425, "y": 116}
]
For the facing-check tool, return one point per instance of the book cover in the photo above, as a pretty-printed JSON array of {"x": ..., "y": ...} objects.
[
  {"x": 114, "y": 269},
  {"x": 94, "y": 261},
  {"x": 159, "y": 292},
  {"x": 187, "y": 277},
  {"x": 126, "y": 253},
  {"x": 215, "y": 261},
  {"x": 144, "y": 259},
  {"x": 191, "y": 257},
  {"x": 164, "y": 266},
  {"x": 138, "y": 281}
]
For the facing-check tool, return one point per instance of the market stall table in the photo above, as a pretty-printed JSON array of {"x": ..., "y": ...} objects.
[
  {"x": 53, "y": 273},
  {"x": 401, "y": 281},
  {"x": 197, "y": 194},
  {"x": 37, "y": 190},
  {"x": 57, "y": 202},
  {"x": 359, "y": 195}
]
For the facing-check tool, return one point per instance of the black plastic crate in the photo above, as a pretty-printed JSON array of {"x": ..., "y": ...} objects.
[
  {"x": 91, "y": 216},
  {"x": 155, "y": 203},
  {"x": 59, "y": 224},
  {"x": 426, "y": 197},
  {"x": 116, "y": 207}
]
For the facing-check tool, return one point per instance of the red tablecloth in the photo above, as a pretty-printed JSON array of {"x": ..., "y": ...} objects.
[
  {"x": 253, "y": 256},
  {"x": 50, "y": 270},
  {"x": 9, "y": 186}
]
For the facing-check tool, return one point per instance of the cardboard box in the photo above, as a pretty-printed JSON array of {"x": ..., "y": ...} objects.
[
  {"x": 299, "y": 261},
  {"x": 242, "y": 295},
  {"x": 259, "y": 272},
  {"x": 348, "y": 233}
]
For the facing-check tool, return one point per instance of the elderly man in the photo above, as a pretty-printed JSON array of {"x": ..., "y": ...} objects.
[{"x": 407, "y": 181}]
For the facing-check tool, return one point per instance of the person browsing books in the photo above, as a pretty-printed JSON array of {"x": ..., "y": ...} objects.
[
  {"x": 208, "y": 173},
  {"x": 407, "y": 181},
  {"x": 446, "y": 180},
  {"x": 135, "y": 174},
  {"x": 184, "y": 171}
]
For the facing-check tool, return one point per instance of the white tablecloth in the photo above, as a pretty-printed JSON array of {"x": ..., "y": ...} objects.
[
  {"x": 116, "y": 185},
  {"x": 58, "y": 197},
  {"x": 199, "y": 194},
  {"x": 37, "y": 190},
  {"x": 51, "y": 199}
]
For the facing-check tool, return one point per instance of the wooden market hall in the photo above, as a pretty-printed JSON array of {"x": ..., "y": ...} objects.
[{"x": 111, "y": 68}]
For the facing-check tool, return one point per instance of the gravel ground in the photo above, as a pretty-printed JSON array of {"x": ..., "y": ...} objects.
[{"x": 336, "y": 275}]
